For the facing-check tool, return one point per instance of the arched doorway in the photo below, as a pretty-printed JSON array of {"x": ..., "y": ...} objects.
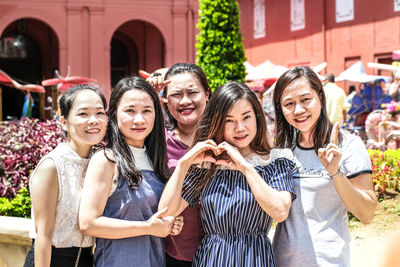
[
  {"x": 136, "y": 45},
  {"x": 124, "y": 54},
  {"x": 29, "y": 54}
]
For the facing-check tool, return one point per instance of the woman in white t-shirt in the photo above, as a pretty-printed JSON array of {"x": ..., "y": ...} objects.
[{"x": 333, "y": 176}]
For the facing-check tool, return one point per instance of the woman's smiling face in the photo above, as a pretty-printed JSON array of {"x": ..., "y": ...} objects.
[
  {"x": 187, "y": 98},
  {"x": 301, "y": 105},
  {"x": 240, "y": 126},
  {"x": 87, "y": 121},
  {"x": 135, "y": 115}
]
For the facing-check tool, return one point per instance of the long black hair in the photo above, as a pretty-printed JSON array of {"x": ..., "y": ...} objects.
[
  {"x": 180, "y": 68},
  {"x": 212, "y": 123},
  {"x": 154, "y": 142},
  {"x": 286, "y": 134}
]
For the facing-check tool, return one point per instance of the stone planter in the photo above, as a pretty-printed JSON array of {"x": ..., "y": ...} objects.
[{"x": 14, "y": 241}]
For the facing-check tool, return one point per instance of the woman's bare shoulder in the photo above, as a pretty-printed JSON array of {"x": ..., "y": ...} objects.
[{"x": 103, "y": 156}]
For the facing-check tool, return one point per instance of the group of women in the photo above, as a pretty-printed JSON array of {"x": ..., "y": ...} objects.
[{"x": 203, "y": 189}]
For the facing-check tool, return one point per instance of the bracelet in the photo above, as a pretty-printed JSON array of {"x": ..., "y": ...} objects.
[{"x": 336, "y": 174}]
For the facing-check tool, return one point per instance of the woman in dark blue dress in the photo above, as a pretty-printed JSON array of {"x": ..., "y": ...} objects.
[
  {"x": 242, "y": 184},
  {"x": 124, "y": 182}
]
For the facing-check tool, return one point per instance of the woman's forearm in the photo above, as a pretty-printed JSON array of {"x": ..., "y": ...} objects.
[
  {"x": 275, "y": 203},
  {"x": 172, "y": 194},
  {"x": 357, "y": 195},
  {"x": 110, "y": 228},
  {"x": 42, "y": 251}
]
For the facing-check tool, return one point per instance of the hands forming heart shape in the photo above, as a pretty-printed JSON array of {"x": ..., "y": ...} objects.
[
  {"x": 217, "y": 155},
  {"x": 208, "y": 151},
  {"x": 222, "y": 154}
]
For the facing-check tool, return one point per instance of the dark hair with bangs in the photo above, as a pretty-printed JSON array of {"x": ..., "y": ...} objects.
[
  {"x": 154, "y": 142},
  {"x": 67, "y": 100},
  {"x": 180, "y": 68},
  {"x": 286, "y": 134},
  {"x": 212, "y": 123}
]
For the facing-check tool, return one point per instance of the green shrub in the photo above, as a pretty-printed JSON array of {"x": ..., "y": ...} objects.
[
  {"x": 219, "y": 48},
  {"x": 20, "y": 206}
]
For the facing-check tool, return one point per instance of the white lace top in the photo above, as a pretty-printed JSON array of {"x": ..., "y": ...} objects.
[{"x": 71, "y": 169}]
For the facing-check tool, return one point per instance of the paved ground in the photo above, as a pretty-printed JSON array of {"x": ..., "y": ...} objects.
[{"x": 369, "y": 247}]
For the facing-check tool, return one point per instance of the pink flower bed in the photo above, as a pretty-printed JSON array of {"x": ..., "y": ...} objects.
[{"x": 22, "y": 145}]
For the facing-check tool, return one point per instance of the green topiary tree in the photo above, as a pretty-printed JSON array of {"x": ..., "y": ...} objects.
[{"x": 219, "y": 43}]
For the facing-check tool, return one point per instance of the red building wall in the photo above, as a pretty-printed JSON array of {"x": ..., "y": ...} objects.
[
  {"x": 163, "y": 31},
  {"x": 374, "y": 33},
  {"x": 78, "y": 33}
]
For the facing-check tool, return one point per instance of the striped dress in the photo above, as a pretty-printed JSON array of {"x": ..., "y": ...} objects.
[{"x": 235, "y": 225}]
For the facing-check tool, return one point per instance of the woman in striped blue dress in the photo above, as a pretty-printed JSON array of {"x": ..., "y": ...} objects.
[{"x": 242, "y": 184}]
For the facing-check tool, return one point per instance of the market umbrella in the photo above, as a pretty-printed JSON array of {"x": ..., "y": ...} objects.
[
  {"x": 9, "y": 82},
  {"x": 383, "y": 66},
  {"x": 28, "y": 88},
  {"x": 396, "y": 55},
  {"x": 63, "y": 83}
]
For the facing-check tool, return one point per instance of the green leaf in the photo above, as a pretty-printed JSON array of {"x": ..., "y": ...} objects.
[{"x": 219, "y": 45}]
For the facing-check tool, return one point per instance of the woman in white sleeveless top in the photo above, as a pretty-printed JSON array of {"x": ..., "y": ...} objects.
[{"x": 56, "y": 183}]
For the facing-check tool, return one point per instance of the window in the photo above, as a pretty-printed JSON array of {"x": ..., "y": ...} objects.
[
  {"x": 259, "y": 19},
  {"x": 344, "y": 10},
  {"x": 384, "y": 58},
  {"x": 297, "y": 17},
  {"x": 396, "y": 5},
  {"x": 13, "y": 47}
]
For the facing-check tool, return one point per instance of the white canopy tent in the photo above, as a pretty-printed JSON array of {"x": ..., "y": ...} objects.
[
  {"x": 356, "y": 73},
  {"x": 264, "y": 71},
  {"x": 262, "y": 76}
]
